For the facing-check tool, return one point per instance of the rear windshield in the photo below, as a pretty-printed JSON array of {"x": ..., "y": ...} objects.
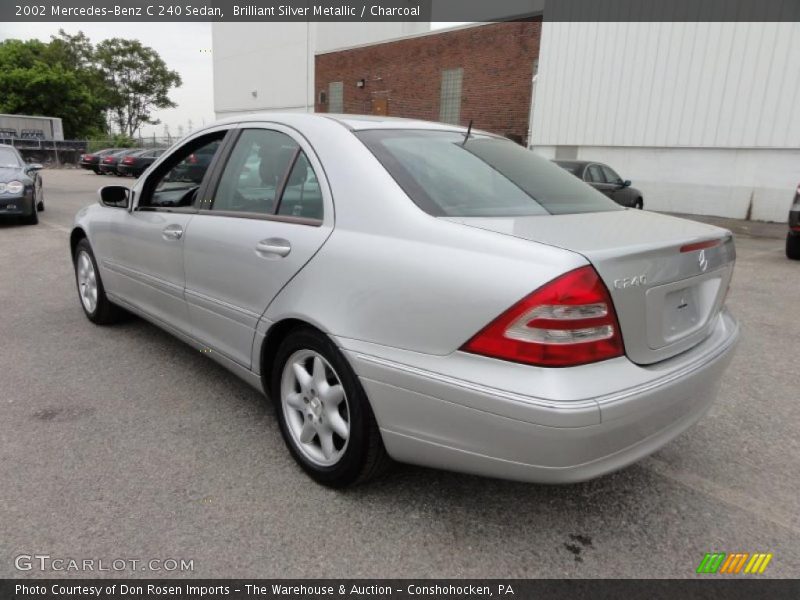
[{"x": 484, "y": 177}]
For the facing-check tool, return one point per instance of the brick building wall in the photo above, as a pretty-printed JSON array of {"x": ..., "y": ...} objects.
[{"x": 404, "y": 77}]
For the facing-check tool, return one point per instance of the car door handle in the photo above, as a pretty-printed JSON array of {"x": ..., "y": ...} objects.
[
  {"x": 273, "y": 247},
  {"x": 172, "y": 232}
]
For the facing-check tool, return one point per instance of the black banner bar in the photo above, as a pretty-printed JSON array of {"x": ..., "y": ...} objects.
[
  {"x": 397, "y": 10},
  {"x": 713, "y": 587}
]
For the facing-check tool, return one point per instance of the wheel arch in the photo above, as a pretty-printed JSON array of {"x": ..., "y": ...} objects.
[
  {"x": 75, "y": 237},
  {"x": 278, "y": 332}
]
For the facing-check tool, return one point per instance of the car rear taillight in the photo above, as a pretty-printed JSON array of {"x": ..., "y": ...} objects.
[
  {"x": 192, "y": 159},
  {"x": 128, "y": 160},
  {"x": 569, "y": 321}
]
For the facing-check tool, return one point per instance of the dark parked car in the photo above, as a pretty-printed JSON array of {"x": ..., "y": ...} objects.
[
  {"x": 136, "y": 162},
  {"x": 604, "y": 178},
  {"x": 793, "y": 237},
  {"x": 91, "y": 161},
  {"x": 108, "y": 163},
  {"x": 195, "y": 165},
  {"x": 21, "y": 191}
]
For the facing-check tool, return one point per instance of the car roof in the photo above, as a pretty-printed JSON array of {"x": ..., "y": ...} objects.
[
  {"x": 575, "y": 163},
  {"x": 352, "y": 122}
]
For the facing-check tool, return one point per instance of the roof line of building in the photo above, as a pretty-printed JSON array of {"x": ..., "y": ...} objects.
[{"x": 401, "y": 38}]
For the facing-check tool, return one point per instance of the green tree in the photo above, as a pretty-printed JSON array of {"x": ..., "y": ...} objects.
[
  {"x": 118, "y": 81},
  {"x": 35, "y": 80},
  {"x": 138, "y": 81}
]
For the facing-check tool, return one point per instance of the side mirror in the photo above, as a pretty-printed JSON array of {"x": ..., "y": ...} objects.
[
  {"x": 34, "y": 166},
  {"x": 626, "y": 183},
  {"x": 114, "y": 196}
]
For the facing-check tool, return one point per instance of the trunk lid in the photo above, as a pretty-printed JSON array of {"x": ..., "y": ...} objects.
[{"x": 665, "y": 298}]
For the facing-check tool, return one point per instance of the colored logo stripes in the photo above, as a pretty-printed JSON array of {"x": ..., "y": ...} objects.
[{"x": 735, "y": 563}]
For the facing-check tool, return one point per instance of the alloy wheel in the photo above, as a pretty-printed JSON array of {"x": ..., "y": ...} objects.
[
  {"x": 315, "y": 408},
  {"x": 87, "y": 281}
]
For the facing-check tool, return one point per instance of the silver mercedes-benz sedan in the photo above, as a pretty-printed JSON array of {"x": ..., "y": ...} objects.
[{"x": 417, "y": 291}]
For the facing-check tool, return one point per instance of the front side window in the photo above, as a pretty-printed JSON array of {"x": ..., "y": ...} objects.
[
  {"x": 176, "y": 182},
  {"x": 611, "y": 175},
  {"x": 484, "y": 177},
  {"x": 267, "y": 173}
]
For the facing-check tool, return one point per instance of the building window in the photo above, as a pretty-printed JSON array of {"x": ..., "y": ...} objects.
[
  {"x": 450, "y": 100},
  {"x": 336, "y": 97}
]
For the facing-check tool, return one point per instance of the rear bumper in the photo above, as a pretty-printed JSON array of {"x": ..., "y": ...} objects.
[{"x": 437, "y": 420}]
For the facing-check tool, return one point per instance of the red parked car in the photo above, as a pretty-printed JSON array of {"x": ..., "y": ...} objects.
[
  {"x": 136, "y": 162},
  {"x": 91, "y": 161},
  {"x": 108, "y": 164}
]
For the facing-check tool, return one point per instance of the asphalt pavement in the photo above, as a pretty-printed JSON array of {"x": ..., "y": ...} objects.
[{"x": 124, "y": 443}]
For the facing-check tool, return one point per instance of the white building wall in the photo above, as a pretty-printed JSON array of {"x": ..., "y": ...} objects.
[
  {"x": 270, "y": 66},
  {"x": 701, "y": 116}
]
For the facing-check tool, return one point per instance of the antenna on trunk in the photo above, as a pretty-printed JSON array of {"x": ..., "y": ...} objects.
[{"x": 469, "y": 130}]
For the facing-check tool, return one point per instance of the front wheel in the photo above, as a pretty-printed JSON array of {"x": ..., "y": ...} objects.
[
  {"x": 793, "y": 246},
  {"x": 33, "y": 218},
  {"x": 97, "y": 307},
  {"x": 323, "y": 412}
]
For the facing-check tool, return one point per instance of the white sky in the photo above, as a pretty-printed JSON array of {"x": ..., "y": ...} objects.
[{"x": 185, "y": 47}]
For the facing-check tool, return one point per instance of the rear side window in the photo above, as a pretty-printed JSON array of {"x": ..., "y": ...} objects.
[
  {"x": 251, "y": 180},
  {"x": 484, "y": 177},
  {"x": 611, "y": 175},
  {"x": 268, "y": 173}
]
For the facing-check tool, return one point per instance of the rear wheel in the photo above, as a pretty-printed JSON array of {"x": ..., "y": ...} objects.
[
  {"x": 97, "y": 307},
  {"x": 793, "y": 246},
  {"x": 323, "y": 412},
  {"x": 639, "y": 204}
]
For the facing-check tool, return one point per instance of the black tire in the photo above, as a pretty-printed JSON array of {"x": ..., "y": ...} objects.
[
  {"x": 793, "y": 246},
  {"x": 105, "y": 312},
  {"x": 40, "y": 206},
  {"x": 33, "y": 218},
  {"x": 639, "y": 204},
  {"x": 364, "y": 457}
]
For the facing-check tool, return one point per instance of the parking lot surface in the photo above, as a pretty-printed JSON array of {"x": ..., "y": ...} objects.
[{"x": 122, "y": 442}]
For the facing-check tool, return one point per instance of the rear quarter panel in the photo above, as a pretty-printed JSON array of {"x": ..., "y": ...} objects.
[{"x": 393, "y": 275}]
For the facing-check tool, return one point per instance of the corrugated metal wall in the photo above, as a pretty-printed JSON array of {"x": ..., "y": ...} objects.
[{"x": 728, "y": 85}]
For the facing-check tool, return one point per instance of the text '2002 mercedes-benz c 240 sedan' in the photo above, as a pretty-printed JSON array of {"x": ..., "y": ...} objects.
[{"x": 417, "y": 291}]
